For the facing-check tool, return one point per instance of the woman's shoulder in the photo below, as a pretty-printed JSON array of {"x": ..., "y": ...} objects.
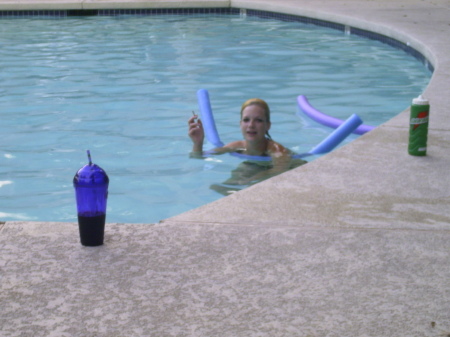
[
  {"x": 230, "y": 147},
  {"x": 275, "y": 147}
]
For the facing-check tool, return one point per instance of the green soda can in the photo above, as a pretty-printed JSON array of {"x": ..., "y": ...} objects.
[{"x": 418, "y": 126}]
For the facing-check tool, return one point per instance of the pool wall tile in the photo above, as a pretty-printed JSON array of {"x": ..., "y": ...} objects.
[
  {"x": 393, "y": 43},
  {"x": 295, "y": 18},
  {"x": 33, "y": 14},
  {"x": 168, "y": 11}
]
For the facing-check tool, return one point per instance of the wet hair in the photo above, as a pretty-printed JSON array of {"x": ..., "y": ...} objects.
[{"x": 261, "y": 103}]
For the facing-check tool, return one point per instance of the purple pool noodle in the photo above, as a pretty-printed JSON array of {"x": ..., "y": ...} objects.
[{"x": 326, "y": 120}]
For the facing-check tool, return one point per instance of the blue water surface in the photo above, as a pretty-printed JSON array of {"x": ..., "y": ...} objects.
[{"x": 125, "y": 86}]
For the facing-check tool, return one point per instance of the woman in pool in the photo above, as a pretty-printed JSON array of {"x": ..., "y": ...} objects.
[{"x": 255, "y": 124}]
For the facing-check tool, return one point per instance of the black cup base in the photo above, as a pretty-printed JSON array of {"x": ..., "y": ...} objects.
[{"x": 92, "y": 229}]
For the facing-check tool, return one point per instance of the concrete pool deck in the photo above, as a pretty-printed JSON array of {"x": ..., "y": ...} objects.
[{"x": 355, "y": 243}]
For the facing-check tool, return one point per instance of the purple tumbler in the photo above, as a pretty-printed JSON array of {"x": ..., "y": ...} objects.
[{"x": 91, "y": 190}]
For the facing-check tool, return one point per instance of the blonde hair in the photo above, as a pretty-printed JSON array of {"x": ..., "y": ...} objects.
[{"x": 261, "y": 103}]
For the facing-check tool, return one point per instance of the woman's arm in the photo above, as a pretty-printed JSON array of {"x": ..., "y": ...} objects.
[{"x": 197, "y": 134}]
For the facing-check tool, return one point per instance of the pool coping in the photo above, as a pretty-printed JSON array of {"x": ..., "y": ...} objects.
[{"x": 354, "y": 243}]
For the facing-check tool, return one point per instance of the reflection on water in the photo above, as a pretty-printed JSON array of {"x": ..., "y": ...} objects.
[{"x": 242, "y": 175}]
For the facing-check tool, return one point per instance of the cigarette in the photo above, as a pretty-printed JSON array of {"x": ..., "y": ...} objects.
[{"x": 196, "y": 119}]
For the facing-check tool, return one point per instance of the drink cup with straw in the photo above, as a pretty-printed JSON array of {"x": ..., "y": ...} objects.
[{"x": 91, "y": 191}]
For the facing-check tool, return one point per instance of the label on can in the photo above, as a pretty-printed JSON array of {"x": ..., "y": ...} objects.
[
  {"x": 421, "y": 118},
  {"x": 417, "y": 121}
]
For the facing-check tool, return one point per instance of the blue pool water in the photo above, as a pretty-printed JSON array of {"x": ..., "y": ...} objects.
[{"x": 124, "y": 88}]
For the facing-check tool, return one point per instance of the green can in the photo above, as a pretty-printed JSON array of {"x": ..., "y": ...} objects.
[{"x": 418, "y": 126}]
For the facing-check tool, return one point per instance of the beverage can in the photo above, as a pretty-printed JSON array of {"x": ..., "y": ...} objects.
[{"x": 418, "y": 126}]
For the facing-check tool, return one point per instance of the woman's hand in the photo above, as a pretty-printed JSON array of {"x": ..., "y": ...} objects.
[{"x": 196, "y": 133}]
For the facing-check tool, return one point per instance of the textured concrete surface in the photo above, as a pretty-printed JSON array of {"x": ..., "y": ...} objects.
[
  {"x": 232, "y": 280},
  {"x": 353, "y": 244}
]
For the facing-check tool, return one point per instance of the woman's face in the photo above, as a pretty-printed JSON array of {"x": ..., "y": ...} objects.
[{"x": 254, "y": 124}]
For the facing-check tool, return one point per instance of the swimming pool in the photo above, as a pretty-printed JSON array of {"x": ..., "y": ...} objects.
[{"x": 125, "y": 86}]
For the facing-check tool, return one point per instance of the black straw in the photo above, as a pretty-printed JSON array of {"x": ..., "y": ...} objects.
[{"x": 89, "y": 157}]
